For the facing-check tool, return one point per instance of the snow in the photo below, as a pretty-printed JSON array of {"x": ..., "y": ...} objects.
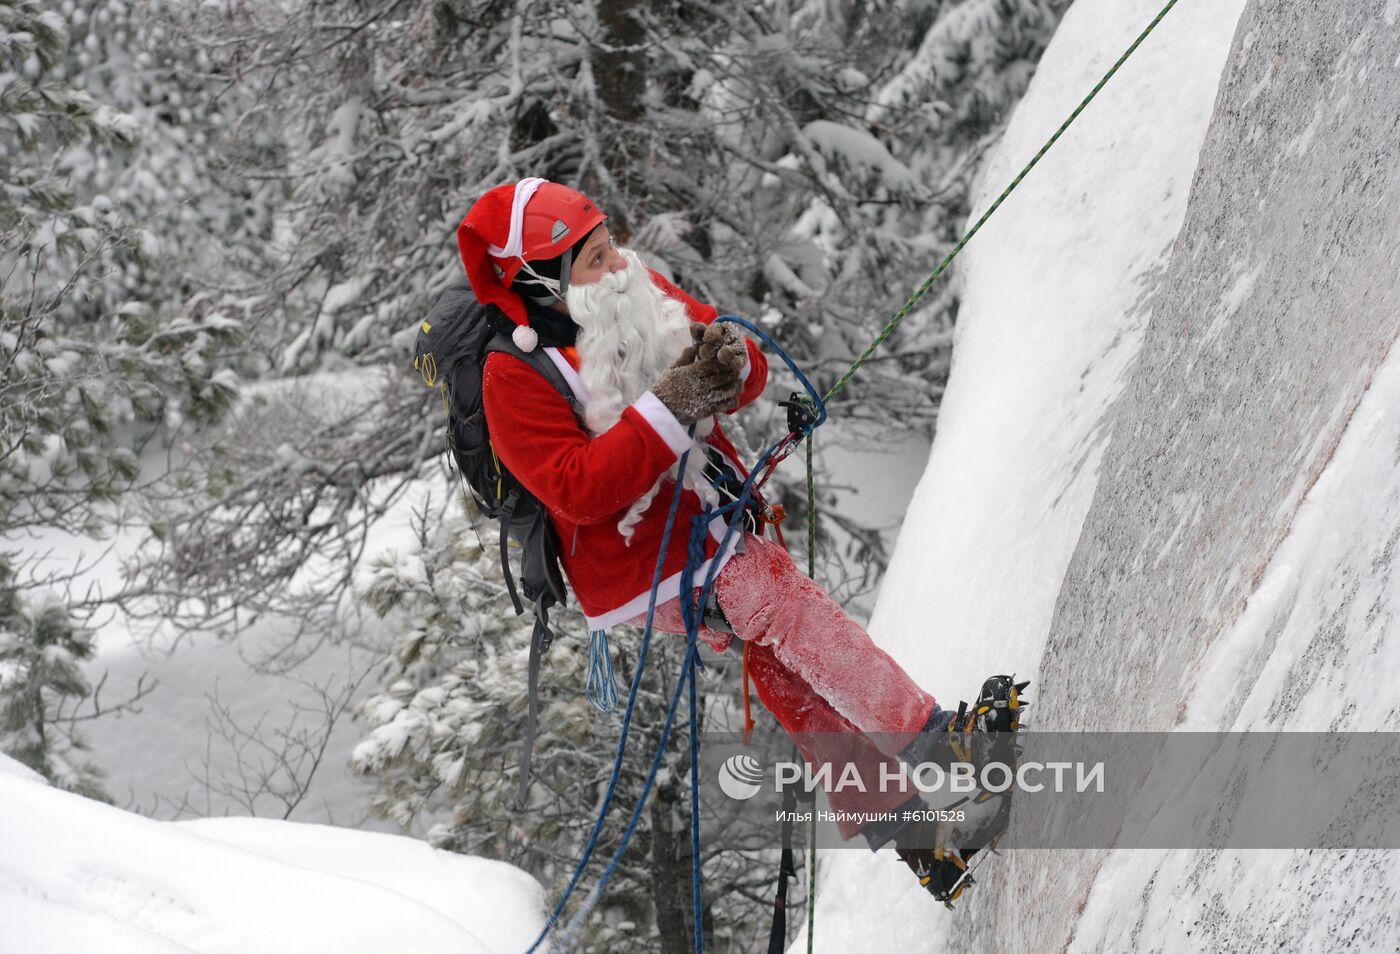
[
  {"x": 1057, "y": 292},
  {"x": 1271, "y": 609},
  {"x": 1165, "y": 464},
  {"x": 1058, "y": 289},
  {"x": 861, "y": 151},
  {"x": 345, "y": 295},
  {"x": 78, "y": 875},
  {"x": 159, "y": 758},
  {"x": 191, "y": 728},
  {"x": 1314, "y": 628},
  {"x": 10, "y": 767},
  {"x": 1165, "y": 469}
]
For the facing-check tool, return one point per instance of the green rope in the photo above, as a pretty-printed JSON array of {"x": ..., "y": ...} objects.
[
  {"x": 811, "y": 512},
  {"x": 942, "y": 266},
  {"x": 880, "y": 339}
]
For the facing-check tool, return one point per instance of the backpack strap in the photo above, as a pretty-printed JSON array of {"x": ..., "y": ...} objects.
[
  {"x": 540, "y": 636},
  {"x": 540, "y": 551},
  {"x": 542, "y": 363},
  {"x": 507, "y": 513}
]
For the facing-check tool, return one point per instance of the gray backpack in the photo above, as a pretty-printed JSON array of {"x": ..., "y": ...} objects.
[{"x": 450, "y": 354}]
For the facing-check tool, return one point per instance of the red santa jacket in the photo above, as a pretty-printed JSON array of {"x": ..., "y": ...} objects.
[{"x": 587, "y": 483}]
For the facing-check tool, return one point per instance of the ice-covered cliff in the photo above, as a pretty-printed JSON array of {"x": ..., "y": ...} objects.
[
  {"x": 1235, "y": 567},
  {"x": 1165, "y": 483}
]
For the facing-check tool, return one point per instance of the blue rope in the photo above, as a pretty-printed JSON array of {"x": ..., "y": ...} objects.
[
  {"x": 792, "y": 366},
  {"x": 697, "y": 882},
  {"x": 691, "y": 611},
  {"x": 687, "y": 670},
  {"x": 642, "y": 653},
  {"x": 602, "y": 684},
  {"x": 695, "y": 545}
]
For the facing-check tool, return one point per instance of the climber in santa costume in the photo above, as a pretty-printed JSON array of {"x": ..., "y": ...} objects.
[{"x": 645, "y": 362}]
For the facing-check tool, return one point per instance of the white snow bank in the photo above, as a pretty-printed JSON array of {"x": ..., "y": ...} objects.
[
  {"x": 473, "y": 892},
  {"x": 78, "y": 875}
]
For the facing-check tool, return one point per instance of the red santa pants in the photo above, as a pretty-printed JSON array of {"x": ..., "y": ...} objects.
[{"x": 838, "y": 695}]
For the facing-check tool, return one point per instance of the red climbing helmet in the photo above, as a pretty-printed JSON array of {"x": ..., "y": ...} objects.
[
  {"x": 533, "y": 220},
  {"x": 552, "y": 218}
]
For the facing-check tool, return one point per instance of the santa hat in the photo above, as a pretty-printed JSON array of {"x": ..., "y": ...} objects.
[{"x": 498, "y": 237}]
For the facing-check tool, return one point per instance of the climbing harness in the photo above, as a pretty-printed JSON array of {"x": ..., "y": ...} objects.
[{"x": 802, "y": 421}]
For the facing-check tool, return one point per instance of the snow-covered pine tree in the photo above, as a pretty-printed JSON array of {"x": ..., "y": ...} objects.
[
  {"x": 40, "y": 115},
  {"x": 444, "y": 744},
  {"x": 41, "y": 684},
  {"x": 80, "y": 379},
  {"x": 75, "y": 370},
  {"x": 192, "y": 227},
  {"x": 57, "y": 457},
  {"x": 795, "y": 160}
]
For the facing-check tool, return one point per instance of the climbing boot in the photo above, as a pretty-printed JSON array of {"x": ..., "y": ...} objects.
[{"x": 948, "y": 736}]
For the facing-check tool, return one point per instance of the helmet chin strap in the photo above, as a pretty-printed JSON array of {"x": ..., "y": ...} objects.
[{"x": 557, "y": 287}]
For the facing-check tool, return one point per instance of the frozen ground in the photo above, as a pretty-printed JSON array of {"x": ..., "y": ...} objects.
[
  {"x": 1165, "y": 482},
  {"x": 77, "y": 875}
]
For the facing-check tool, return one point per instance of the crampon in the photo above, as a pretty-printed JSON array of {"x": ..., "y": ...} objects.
[{"x": 945, "y": 850}]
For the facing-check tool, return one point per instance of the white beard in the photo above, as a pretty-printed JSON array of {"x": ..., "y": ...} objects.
[{"x": 629, "y": 333}]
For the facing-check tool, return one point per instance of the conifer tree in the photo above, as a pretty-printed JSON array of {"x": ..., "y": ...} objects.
[
  {"x": 75, "y": 375},
  {"x": 84, "y": 378},
  {"x": 41, "y": 681},
  {"x": 443, "y": 742}
]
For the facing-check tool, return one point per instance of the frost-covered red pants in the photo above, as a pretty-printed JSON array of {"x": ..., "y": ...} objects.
[{"x": 838, "y": 695}]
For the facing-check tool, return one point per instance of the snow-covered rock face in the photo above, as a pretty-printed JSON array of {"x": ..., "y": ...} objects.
[
  {"x": 1280, "y": 301},
  {"x": 1058, "y": 289},
  {"x": 1182, "y": 512},
  {"x": 1235, "y": 568}
]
